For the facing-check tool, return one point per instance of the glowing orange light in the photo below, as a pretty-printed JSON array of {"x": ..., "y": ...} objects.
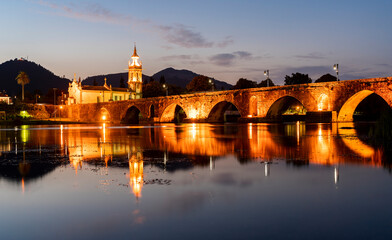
[
  {"x": 104, "y": 117},
  {"x": 61, "y": 107},
  {"x": 249, "y": 116},
  {"x": 193, "y": 113},
  {"x": 23, "y": 185}
]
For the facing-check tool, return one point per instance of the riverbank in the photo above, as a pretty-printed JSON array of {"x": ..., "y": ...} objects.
[{"x": 49, "y": 121}]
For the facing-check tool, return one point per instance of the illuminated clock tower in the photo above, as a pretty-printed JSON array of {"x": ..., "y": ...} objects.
[{"x": 135, "y": 80}]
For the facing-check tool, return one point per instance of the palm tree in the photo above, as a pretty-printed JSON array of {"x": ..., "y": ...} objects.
[{"x": 22, "y": 79}]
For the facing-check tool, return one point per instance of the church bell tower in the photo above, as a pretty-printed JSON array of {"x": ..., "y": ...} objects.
[{"x": 135, "y": 80}]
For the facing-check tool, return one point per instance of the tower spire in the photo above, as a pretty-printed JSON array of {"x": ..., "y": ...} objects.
[{"x": 134, "y": 50}]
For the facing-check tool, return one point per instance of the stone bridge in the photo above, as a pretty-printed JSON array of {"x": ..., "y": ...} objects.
[{"x": 329, "y": 101}]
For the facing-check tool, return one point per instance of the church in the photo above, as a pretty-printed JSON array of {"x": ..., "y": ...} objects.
[{"x": 79, "y": 93}]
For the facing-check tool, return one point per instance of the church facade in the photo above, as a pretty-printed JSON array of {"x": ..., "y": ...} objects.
[{"x": 78, "y": 93}]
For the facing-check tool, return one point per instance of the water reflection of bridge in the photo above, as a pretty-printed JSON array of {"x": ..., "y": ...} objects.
[{"x": 326, "y": 144}]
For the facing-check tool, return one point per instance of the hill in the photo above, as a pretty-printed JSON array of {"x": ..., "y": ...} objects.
[
  {"x": 172, "y": 76},
  {"x": 40, "y": 78},
  {"x": 183, "y": 77},
  {"x": 111, "y": 79}
]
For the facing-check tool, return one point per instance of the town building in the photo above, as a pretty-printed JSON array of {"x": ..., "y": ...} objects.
[
  {"x": 4, "y": 98},
  {"x": 79, "y": 93}
]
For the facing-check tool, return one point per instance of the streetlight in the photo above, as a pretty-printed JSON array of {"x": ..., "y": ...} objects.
[
  {"x": 336, "y": 68},
  {"x": 36, "y": 98},
  {"x": 266, "y": 73},
  {"x": 54, "y": 96},
  {"x": 165, "y": 87},
  {"x": 54, "y": 100},
  {"x": 212, "y": 83}
]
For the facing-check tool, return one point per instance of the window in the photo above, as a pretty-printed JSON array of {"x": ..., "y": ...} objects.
[{"x": 115, "y": 98}]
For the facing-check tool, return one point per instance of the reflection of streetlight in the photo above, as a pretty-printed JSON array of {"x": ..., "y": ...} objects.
[
  {"x": 165, "y": 87},
  {"x": 266, "y": 73},
  {"x": 336, "y": 68},
  {"x": 210, "y": 81},
  {"x": 61, "y": 107}
]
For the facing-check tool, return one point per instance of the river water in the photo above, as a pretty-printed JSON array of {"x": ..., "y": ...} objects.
[{"x": 192, "y": 181}]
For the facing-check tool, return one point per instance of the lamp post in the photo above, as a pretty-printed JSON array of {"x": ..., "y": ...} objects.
[
  {"x": 336, "y": 68},
  {"x": 36, "y": 98},
  {"x": 210, "y": 81},
  {"x": 165, "y": 87},
  {"x": 54, "y": 100},
  {"x": 266, "y": 73}
]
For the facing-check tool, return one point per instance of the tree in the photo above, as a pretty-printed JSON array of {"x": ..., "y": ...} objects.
[
  {"x": 244, "y": 83},
  {"x": 95, "y": 82},
  {"x": 152, "y": 79},
  {"x": 22, "y": 79},
  {"x": 162, "y": 80},
  {"x": 297, "y": 78},
  {"x": 326, "y": 78},
  {"x": 122, "y": 82},
  {"x": 153, "y": 89},
  {"x": 199, "y": 83},
  {"x": 264, "y": 83}
]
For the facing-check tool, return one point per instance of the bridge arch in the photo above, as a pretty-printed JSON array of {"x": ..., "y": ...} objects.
[
  {"x": 287, "y": 105},
  {"x": 103, "y": 115},
  {"x": 152, "y": 111},
  {"x": 346, "y": 113},
  {"x": 132, "y": 115},
  {"x": 173, "y": 113},
  {"x": 217, "y": 112}
]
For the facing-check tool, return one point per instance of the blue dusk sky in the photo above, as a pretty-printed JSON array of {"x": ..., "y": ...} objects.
[{"x": 224, "y": 39}]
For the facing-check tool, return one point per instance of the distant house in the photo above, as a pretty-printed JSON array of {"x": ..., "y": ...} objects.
[
  {"x": 95, "y": 94},
  {"x": 5, "y": 98}
]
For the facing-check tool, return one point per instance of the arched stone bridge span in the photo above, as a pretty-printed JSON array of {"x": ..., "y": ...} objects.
[{"x": 335, "y": 101}]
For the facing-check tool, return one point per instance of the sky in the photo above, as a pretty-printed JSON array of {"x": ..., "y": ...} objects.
[{"x": 223, "y": 39}]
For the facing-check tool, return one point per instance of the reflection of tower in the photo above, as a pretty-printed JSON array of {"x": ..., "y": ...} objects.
[
  {"x": 135, "y": 76},
  {"x": 136, "y": 173}
]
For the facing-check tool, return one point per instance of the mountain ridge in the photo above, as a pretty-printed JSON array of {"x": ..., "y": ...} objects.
[{"x": 43, "y": 80}]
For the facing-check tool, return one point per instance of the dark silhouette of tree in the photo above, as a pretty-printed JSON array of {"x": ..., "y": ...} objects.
[
  {"x": 152, "y": 79},
  {"x": 244, "y": 83},
  {"x": 122, "y": 82},
  {"x": 95, "y": 82},
  {"x": 153, "y": 89},
  {"x": 264, "y": 83},
  {"x": 22, "y": 79},
  {"x": 199, "y": 83},
  {"x": 162, "y": 80},
  {"x": 297, "y": 78},
  {"x": 326, "y": 78}
]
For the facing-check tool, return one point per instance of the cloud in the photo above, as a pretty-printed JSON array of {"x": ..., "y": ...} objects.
[
  {"x": 311, "y": 56},
  {"x": 228, "y": 59},
  {"x": 224, "y": 43},
  {"x": 183, "y": 36},
  {"x": 87, "y": 12},
  {"x": 176, "y": 57},
  {"x": 184, "y": 59},
  {"x": 176, "y": 34}
]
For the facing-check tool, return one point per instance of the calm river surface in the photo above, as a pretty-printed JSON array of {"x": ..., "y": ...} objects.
[{"x": 193, "y": 181}]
